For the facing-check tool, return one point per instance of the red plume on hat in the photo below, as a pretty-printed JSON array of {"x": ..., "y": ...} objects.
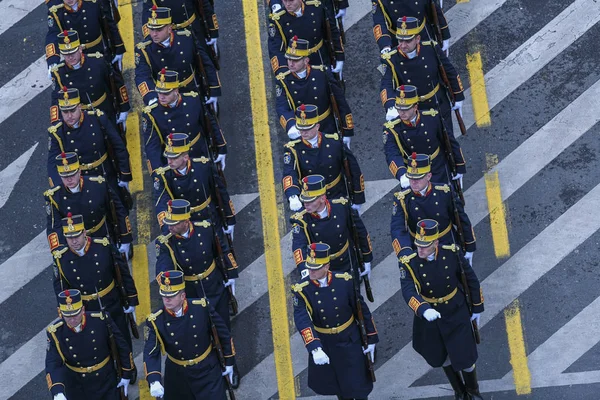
[
  {"x": 154, "y": 7},
  {"x": 67, "y": 293},
  {"x": 65, "y": 32},
  {"x": 404, "y": 19},
  {"x": 413, "y": 156},
  {"x": 167, "y": 274},
  {"x": 63, "y": 155},
  {"x": 423, "y": 224},
  {"x": 295, "y": 38},
  {"x": 163, "y": 71},
  {"x": 170, "y": 202},
  {"x": 313, "y": 246},
  {"x": 402, "y": 87},
  {"x": 69, "y": 215},
  {"x": 302, "y": 107},
  {"x": 64, "y": 88}
]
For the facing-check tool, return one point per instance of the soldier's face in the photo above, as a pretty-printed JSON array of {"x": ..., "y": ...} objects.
[
  {"x": 77, "y": 242},
  {"x": 73, "y": 58},
  {"x": 179, "y": 228},
  {"x": 161, "y": 34},
  {"x": 74, "y": 320},
  {"x": 178, "y": 162},
  {"x": 409, "y": 45},
  {"x": 174, "y": 303},
  {"x": 168, "y": 98},
  {"x": 70, "y": 3},
  {"x": 425, "y": 252},
  {"x": 315, "y": 206},
  {"x": 320, "y": 273},
  {"x": 408, "y": 115},
  {"x": 292, "y": 5},
  {"x": 419, "y": 184},
  {"x": 297, "y": 65},
  {"x": 71, "y": 181},
  {"x": 71, "y": 117},
  {"x": 309, "y": 134}
]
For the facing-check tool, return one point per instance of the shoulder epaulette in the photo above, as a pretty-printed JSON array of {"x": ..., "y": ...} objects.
[
  {"x": 164, "y": 238},
  {"x": 345, "y": 276},
  {"x": 333, "y": 136},
  {"x": 50, "y": 192},
  {"x": 55, "y": 127},
  {"x": 52, "y": 328},
  {"x": 431, "y": 112},
  {"x": 142, "y": 45},
  {"x": 315, "y": 3},
  {"x": 204, "y": 224},
  {"x": 299, "y": 215},
  {"x": 99, "y": 179},
  {"x": 402, "y": 194},
  {"x": 57, "y": 66},
  {"x": 277, "y": 15},
  {"x": 298, "y": 286},
  {"x": 191, "y": 94},
  {"x": 406, "y": 259},
  {"x": 96, "y": 112},
  {"x": 201, "y": 302},
  {"x": 292, "y": 143},
  {"x": 97, "y": 315},
  {"x": 392, "y": 123},
  {"x": 202, "y": 160},
  {"x": 389, "y": 54},
  {"x": 94, "y": 55},
  {"x": 341, "y": 200},
  {"x": 104, "y": 241},
  {"x": 148, "y": 109},
  {"x": 162, "y": 170},
  {"x": 184, "y": 32},
  {"x": 58, "y": 253},
  {"x": 55, "y": 8},
  {"x": 452, "y": 247},
  {"x": 429, "y": 43},
  {"x": 152, "y": 317},
  {"x": 445, "y": 188},
  {"x": 91, "y": 1},
  {"x": 321, "y": 68},
  {"x": 281, "y": 76}
]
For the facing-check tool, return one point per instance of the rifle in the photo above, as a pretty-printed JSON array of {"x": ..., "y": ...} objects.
[
  {"x": 233, "y": 303},
  {"x": 221, "y": 211},
  {"x": 114, "y": 351},
  {"x": 332, "y": 59},
  {"x": 436, "y": 21},
  {"x": 339, "y": 21},
  {"x": 123, "y": 296},
  {"x": 361, "y": 319},
  {"x": 106, "y": 28},
  {"x": 205, "y": 28},
  {"x": 114, "y": 93}
]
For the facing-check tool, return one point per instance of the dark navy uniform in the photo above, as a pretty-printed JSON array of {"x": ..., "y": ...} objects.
[
  {"x": 387, "y": 12},
  {"x": 311, "y": 26},
  {"x": 325, "y": 317},
  {"x": 159, "y": 121},
  {"x": 437, "y": 284},
  {"x": 192, "y": 369},
  {"x": 410, "y": 208},
  {"x": 184, "y": 14},
  {"x": 197, "y": 186},
  {"x": 292, "y": 91},
  {"x": 424, "y": 136},
  {"x": 87, "y": 21},
  {"x": 335, "y": 230},
  {"x": 301, "y": 159},
  {"x": 88, "y": 141},
  {"x": 95, "y": 269}
]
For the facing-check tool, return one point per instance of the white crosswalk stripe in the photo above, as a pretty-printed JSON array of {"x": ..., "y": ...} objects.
[{"x": 15, "y": 10}]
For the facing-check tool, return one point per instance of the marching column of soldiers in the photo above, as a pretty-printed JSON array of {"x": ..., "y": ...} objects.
[{"x": 89, "y": 352}]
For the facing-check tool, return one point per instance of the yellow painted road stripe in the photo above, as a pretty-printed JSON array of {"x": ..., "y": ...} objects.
[
  {"x": 516, "y": 344},
  {"x": 497, "y": 210},
  {"x": 462, "y": 1},
  {"x": 481, "y": 108},
  {"x": 268, "y": 203}
]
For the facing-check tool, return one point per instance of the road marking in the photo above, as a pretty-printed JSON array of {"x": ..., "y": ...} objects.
[
  {"x": 10, "y": 175},
  {"x": 481, "y": 109},
  {"x": 535, "y": 53},
  {"x": 23, "y": 365},
  {"x": 13, "y": 11},
  {"x": 268, "y": 203},
  {"x": 516, "y": 345},
  {"x": 496, "y": 209}
]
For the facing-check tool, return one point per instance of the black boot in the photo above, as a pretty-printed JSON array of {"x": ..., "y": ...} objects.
[
  {"x": 471, "y": 384},
  {"x": 235, "y": 379},
  {"x": 456, "y": 382}
]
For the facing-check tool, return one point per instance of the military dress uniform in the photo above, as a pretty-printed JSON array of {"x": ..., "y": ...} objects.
[
  {"x": 192, "y": 369},
  {"x": 335, "y": 229},
  {"x": 302, "y": 158},
  {"x": 424, "y": 135},
  {"x": 325, "y": 316},
  {"x": 78, "y": 359},
  {"x": 87, "y": 21},
  {"x": 436, "y": 203},
  {"x": 312, "y": 26},
  {"x": 387, "y": 12}
]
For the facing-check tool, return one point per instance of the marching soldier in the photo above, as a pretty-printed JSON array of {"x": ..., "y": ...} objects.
[
  {"x": 333, "y": 222},
  {"x": 326, "y": 314},
  {"x": 319, "y": 154},
  {"x": 177, "y": 51},
  {"x": 417, "y": 62},
  {"x": 433, "y": 287},
  {"x": 428, "y": 200},
  {"x": 90, "y": 134},
  {"x": 182, "y": 113},
  {"x": 313, "y": 21},
  {"x": 94, "y": 23},
  {"x": 386, "y": 13},
  {"x": 79, "y": 361},
  {"x": 304, "y": 83},
  {"x": 185, "y": 329},
  {"x": 90, "y": 196},
  {"x": 89, "y": 265},
  {"x": 415, "y": 131},
  {"x": 92, "y": 76},
  {"x": 195, "y": 180}
]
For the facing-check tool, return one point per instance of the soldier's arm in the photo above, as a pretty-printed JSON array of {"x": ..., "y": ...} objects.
[
  {"x": 228, "y": 257},
  {"x": 276, "y": 45},
  {"x": 143, "y": 76},
  {"x": 53, "y": 223},
  {"x": 161, "y": 199},
  {"x": 128, "y": 282},
  {"x": 452, "y": 73},
  {"x": 409, "y": 290},
  {"x": 229, "y": 210},
  {"x": 372, "y": 336},
  {"x": 122, "y": 96},
  {"x": 125, "y": 235},
  {"x": 347, "y": 121},
  {"x": 467, "y": 227},
  {"x": 57, "y": 281},
  {"x": 358, "y": 180},
  {"x": 388, "y": 86},
  {"x": 219, "y": 136},
  {"x": 336, "y": 38},
  {"x": 299, "y": 243},
  {"x": 119, "y": 149},
  {"x": 125, "y": 354},
  {"x": 211, "y": 18},
  {"x": 291, "y": 180},
  {"x": 212, "y": 75},
  {"x": 54, "y": 28},
  {"x": 303, "y": 322},
  {"x": 53, "y": 151},
  {"x": 56, "y": 370},
  {"x": 285, "y": 110},
  {"x": 114, "y": 33},
  {"x": 152, "y": 144},
  {"x": 164, "y": 261},
  {"x": 152, "y": 356},
  {"x": 342, "y": 3},
  {"x": 393, "y": 156},
  {"x": 401, "y": 239},
  {"x": 474, "y": 285},
  {"x": 363, "y": 236},
  {"x": 380, "y": 30},
  {"x": 224, "y": 336},
  {"x": 459, "y": 158}
]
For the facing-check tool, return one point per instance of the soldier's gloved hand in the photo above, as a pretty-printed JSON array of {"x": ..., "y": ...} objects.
[
  {"x": 129, "y": 309},
  {"x": 230, "y": 282},
  {"x": 367, "y": 270},
  {"x": 319, "y": 356},
  {"x": 122, "y": 117},
  {"x": 459, "y": 178},
  {"x": 371, "y": 351},
  {"x": 228, "y": 373},
  {"x": 356, "y": 207},
  {"x": 124, "y": 248},
  {"x": 446, "y": 47},
  {"x": 431, "y": 315},
  {"x": 211, "y": 42},
  {"x": 404, "y": 182},
  {"x": 124, "y": 184},
  {"x": 157, "y": 390},
  {"x": 212, "y": 100},
  {"x": 441, "y": 3},
  {"x": 293, "y": 133},
  {"x": 391, "y": 114},
  {"x": 119, "y": 60},
  {"x": 50, "y": 71},
  {"x": 385, "y": 50},
  {"x": 229, "y": 230},
  {"x": 221, "y": 159},
  {"x": 457, "y": 106},
  {"x": 469, "y": 257},
  {"x": 59, "y": 396},
  {"x": 476, "y": 316},
  {"x": 124, "y": 383},
  {"x": 295, "y": 204},
  {"x": 347, "y": 140},
  {"x": 339, "y": 66},
  {"x": 341, "y": 13}
]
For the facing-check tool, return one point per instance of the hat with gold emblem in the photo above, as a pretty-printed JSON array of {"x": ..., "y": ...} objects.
[
  {"x": 67, "y": 164},
  {"x": 177, "y": 143},
  {"x": 408, "y": 27},
  {"x": 68, "y": 42},
  {"x": 307, "y": 116},
  {"x": 69, "y": 302},
  {"x": 73, "y": 225},
  {"x": 68, "y": 99},
  {"x": 426, "y": 232},
  {"x": 317, "y": 256},
  {"x": 159, "y": 17},
  {"x": 418, "y": 166},
  {"x": 313, "y": 186},
  {"x": 406, "y": 97},
  {"x": 170, "y": 283},
  {"x": 297, "y": 49},
  {"x": 177, "y": 210},
  {"x": 167, "y": 81}
]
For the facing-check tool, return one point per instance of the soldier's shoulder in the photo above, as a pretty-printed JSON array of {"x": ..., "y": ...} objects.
[
  {"x": 202, "y": 160},
  {"x": 57, "y": 67},
  {"x": 96, "y": 112},
  {"x": 321, "y": 68},
  {"x": 432, "y": 112},
  {"x": 183, "y": 32},
  {"x": 154, "y": 315},
  {"x": 148, "y": 109},
  {"x": 282, "y": 75},
  {"x": 143, "y": 45},
  {"x": 191, "y": 94},
  {"x": 402, "y": 194},
  {"x": 162, "y": 170},
  {"x": 58, "y": 253},
  {"x": 342, "y": 200},
  {"x": 54, "y": 127},
  {"x": 56, "y": 7},
  {"x": 275, "y": 16},
  {"x": 389, "y": 54},
  {"x": 162, "y": 239},
  {"x": 53, "y": 327},
  {"x": 431, "y": 43},
  {"x": 407, "y": 259},
  {"x": 96, "y": 56},
  {"x": 292, "y": 143},
  {"x": 104, "y": 241},
  {"x": 51, "y": 192},
  {"x": 392, "y": 123},
  {"x": 297, "y": 287},
  {"x": 345, "y": 276},
  {"x": 442, "y": 188},
  {"x": 203, "y": 224},
  {"x": 299, "y": 216},
  {"x": 451, "y": 247},
  {"x": 98, "y": 179},
  {"x": 200, "y": 302},
  {"x": 332, "y": 136},
  {"x": 314, "y": 3}
]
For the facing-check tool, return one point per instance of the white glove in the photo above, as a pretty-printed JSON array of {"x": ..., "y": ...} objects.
[
  {"x": 124, "y": 184},
  {"x": 275, "y": 8},
  {"x": 122, "y": 117},
  {"x": 347, "y": 140},
  {"x": 385, "y": 50},
  {"x": 212, "y": 100},
  {"x": 469, "y": 257},
  {"x": 391, "y": 114},
  {"x": 152, "y": 101},
  {"x": 295, "y": 204},
  {"x": 457, "y": 106},
  {"x": 230, "y": 282},
  {"x": 476, "y": 317},
  {"x": 441, "y": 4},
  {"x": 124, "y": 384},
  {"x": 228, "y": 373},
  {"x": 229, "y": 230},
  {"x": 50, "y": 77},
  {"x": 404, "y": 182},
  {"x": 458, "y": 177},
  {"x": 431, "y": 315},
  {"x": 367, "y": 270},
  {"x": 221, "y": 159},
  {"x": 157, "y": 390},
  {"x": 124, "y": 248},
  {"x": 319, "y": 356},
  {"x": 356, "y": 207},
  {"x": 119, "y": 60},
  {"x": 339, "y": 65},
  {"x": 211, "y": 42},
  {"x": 341, "y": 13},
  {"x": 293, "y": 133},
  {"x": 446, "y": 47},
  {"x": 371, "y": 351},
  {"x": 129, "y": 309},
  {"x": 59, "y": 396}
]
